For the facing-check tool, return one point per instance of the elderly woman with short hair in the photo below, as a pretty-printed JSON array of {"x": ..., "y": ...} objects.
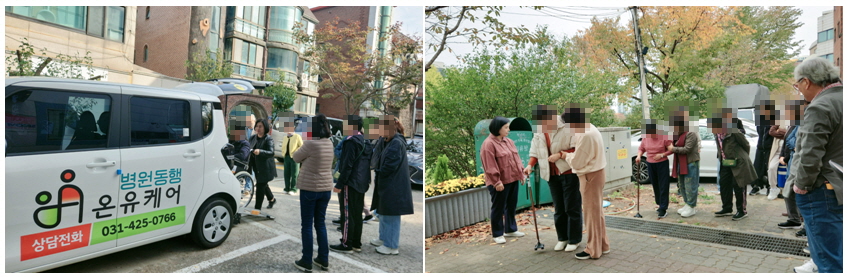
[{"x": 817, "y": 183}]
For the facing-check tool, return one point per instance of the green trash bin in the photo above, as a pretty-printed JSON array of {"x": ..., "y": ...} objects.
[{"x": 521, "y": 133}]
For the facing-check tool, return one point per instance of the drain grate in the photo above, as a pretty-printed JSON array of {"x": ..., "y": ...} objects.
[{"x": 710, "y": 235}]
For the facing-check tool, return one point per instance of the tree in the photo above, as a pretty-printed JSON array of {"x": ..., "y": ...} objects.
[
  {"x": 341, "y": 55},
  {"x": 444, "y": 24},
  {"x": 508, "y": 84},
  {"x": 406, "y": 69},
  {"x": 23, "y": 62},
  {"x": 207, "y": 66},
  {"x": 283, "y": 95}
]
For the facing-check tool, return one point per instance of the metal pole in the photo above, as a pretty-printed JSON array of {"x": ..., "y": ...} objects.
[{"x": 645, "y": 106}]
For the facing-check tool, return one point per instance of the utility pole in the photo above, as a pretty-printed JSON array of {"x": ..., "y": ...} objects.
[{"x": 640, "y": 51}]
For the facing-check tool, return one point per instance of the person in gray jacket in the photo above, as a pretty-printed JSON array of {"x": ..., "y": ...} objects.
[{"x": 818, "y": 184}]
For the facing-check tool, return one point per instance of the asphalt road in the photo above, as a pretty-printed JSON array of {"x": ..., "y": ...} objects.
[{"x": 262, "y": 245}]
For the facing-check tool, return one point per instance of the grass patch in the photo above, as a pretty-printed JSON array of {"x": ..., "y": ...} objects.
[
  {"x": 616, "y": 194},
  {"x": 701, "y": 189},
  {"x": 706, "y": 197},
  {"x": 674, "y": 199},
  {"x": 708, "y": 202}
]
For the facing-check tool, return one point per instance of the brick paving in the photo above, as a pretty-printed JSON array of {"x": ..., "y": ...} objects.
[{"x": 631, "y": 251}]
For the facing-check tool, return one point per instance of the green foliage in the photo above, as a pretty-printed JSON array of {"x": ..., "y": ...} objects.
[
  {"x": 283, "y": 95},
  {"x": 207, "y": 66},
  {"x": 441, "y": 172},
  {"x": 24, "y": 62},
  {"x": 509, "y": 83},
  {"x": 706, "y": 197}
]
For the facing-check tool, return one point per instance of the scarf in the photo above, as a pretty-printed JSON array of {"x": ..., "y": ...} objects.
[{"x": 680, "y": 161}]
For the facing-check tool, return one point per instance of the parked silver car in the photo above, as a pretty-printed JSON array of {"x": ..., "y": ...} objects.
[{"x": 708, "y": 151}]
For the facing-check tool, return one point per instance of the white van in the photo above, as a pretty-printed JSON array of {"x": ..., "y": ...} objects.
[{"x": 93, "y": 168}]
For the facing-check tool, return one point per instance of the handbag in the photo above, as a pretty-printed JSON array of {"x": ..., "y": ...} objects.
[{"x": 724, "y": 161}]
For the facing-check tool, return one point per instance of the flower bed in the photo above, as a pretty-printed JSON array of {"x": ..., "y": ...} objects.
[{"x": 455, "y": 185}]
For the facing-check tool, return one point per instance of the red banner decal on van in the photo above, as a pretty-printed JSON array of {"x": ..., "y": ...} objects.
[{"x": 55, "y": 241}]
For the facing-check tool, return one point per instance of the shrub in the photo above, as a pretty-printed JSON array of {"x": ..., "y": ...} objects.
[
  {"x": 441, "y": 172},
  {"x": 455, "y": 185}
]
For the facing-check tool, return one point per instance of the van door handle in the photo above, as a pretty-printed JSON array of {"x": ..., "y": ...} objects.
[
  {"x": 192, "y": 155},
  {"x": 103, "y": 164}
]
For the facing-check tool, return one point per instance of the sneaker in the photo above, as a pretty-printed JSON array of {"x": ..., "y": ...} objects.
[
  {"x": 357, "y": 249},
  {"x": 582, "y": 256},
  {"x": 376, "y": 242},
  {"x": 336, "y": 221},
  {"x": 789, "y": 225},
  {"x": 739, "y": 216},
  {"x": 271, "y": 204},
  {"x": 723, "y": 213},
  {"x": 682, "y": 210},
  {"x": 367, "y": 218},
  {"x": 560, "y": 246},
  {"x": 340, "y": 248},
  {"x": 801, "y": 233},
  {"x": 571, "y": 247},
  {"x": 689, "y": 213},
  {"x": 339, "y": 229},
  {"x": 780, "y": 196},
  {"x": 387, "y": 251},
  {"x": 806, "y": 250},
  {"x": 764, "y": 191},
  {"x": 663, "y": 214},
  {"x": 607, "y": 251},
  {"x": 323, "y": 266},
  {"x": 754, "y": 191},
  {"x": 808, "y": 267},
  {"x": 500, "y": 240},
  {"x": 302, "y": 266},
  {"x": 515, "y": 234},
  {"x": 292, "y": 192},
  {"x": 773, "y": 194}
]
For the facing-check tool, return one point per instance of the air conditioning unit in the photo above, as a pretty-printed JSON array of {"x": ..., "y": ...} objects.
[{"x": 304, "y": 81}]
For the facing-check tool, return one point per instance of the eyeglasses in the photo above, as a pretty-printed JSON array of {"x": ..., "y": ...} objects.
[{"x": 796, "y": 87}]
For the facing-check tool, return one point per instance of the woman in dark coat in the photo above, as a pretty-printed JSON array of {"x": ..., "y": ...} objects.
[
  {"x": 262, "y": 163},
  {"x": 732, "y": 145},
  {"x": 393, "y": 187}
]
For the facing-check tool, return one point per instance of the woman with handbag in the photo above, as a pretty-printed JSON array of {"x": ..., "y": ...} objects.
[{"x": 736, "y": 168}]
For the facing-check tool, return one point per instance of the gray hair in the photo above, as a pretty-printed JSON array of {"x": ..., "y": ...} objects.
[{"x": 818, "y": 70}]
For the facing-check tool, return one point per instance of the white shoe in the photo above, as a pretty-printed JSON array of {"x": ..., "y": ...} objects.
[
  {"x": 683, "y": 210},
  {"x": 376, "y": 242},
  {"x": 571, "y": 247},
  {"x": 774, "y": 193},
  {"x": 292, "y": 193},
  {"x": 500, "y": 240},
  {"x": 515, "y": 234},
  {"x": 808, "y": 267},
  {"x": 387, "y": 251},
  {"x": 607, "y": 251},
  {"x": 560, "y": 246},
  {"x": 763, "y": 191},
  {"x": 688, "y": 213}
]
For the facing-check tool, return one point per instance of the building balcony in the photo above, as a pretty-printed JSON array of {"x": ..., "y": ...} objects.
[
  {"x": 283, "y": 36},
  {"x": 248, "y": 71},
  {"x": 247, "y": 28},
  {"x": 289, "y": 78}
]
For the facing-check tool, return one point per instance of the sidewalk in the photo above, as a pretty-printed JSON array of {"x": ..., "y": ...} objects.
[{"x": 631, "y": 251}]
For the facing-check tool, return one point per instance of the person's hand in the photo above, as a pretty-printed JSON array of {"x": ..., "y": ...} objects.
[
  {"x": 659, "y": 156},
  {"x": 255, "y": 151},
  {"x": 527, "y": 170},
  {"x": 499, "y": 187},
  {"x": 553, "y": 158},
  {"x": 782, "y": 160},
  {"x": 670, "y": 147},
  {"x": 638, "y": 160},
  {"x": 336, "y": 190},
  {"x": 800, "y": 191}
]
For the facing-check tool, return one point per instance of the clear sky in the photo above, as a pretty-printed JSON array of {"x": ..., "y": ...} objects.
[{"x": 568, "y": 20}]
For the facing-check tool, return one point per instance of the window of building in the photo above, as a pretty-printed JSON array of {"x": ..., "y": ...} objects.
[
  {"x": 145, "y": 53},
  {"x": 214, "y": 29},
  {"x": 68, "y": 16},
  {"x": 158, "y": 121},
  {"x": 115, "y": 23},
  {"x": 281, "y": 23},
  {"x": 282, "y": 59},
  {"x": 106, "y": 22},
  {"x": 44, "y": 120},
  {"x": 254, "y": 14},
  {"x": 147, "y": 13},
  {"x": 826, "y": 35}
]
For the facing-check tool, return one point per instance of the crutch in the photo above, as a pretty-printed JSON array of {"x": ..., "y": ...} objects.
[{"x": 532, "y": 204}]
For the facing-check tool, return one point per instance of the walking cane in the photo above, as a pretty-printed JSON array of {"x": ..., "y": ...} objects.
[
  {"x": 532, "y": 204},
  {"x": 638, "y": 201}
]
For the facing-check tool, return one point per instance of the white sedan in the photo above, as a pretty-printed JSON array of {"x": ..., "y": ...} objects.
[{"x": 708, "y": 152}]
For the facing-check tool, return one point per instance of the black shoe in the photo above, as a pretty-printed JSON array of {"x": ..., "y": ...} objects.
[
  {"x": 323, "y": 266},
  {"x": 582, "y": 256},
  {"x": 341, "y": 248},
  {"x": 754, "y": 191},
  {"x": 299, "y": 264},
  {"x": 789, "y": 225},
  {"x": 663, "y": 214},
  {"x": 271, "y": 204},
  {"x": 780, "y": 196},
  {"x": 339, "y": 229},
  {"x": 367, "y": 218},
  {"x": 336, "y": 221},
  {"x": 801, "y": 233},
  {"x": 723, "y": 213},
  {"x": 739, "y": 216}
]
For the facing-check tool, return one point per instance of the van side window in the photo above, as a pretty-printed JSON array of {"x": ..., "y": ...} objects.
[
  {"x": 43, "y": 120},
  {"x": 206, "y": 112},
  {"x": 158, "y": 121}
]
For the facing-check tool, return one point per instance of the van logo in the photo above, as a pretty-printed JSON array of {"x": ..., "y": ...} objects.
[{"x": 69, "y": 195}]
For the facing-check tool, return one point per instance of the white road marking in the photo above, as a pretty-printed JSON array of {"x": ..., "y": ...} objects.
[{"x": 281, "y": 236}]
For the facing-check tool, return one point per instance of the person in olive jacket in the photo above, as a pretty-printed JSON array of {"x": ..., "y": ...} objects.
[
  {"x": 262, "y": 163},
  {"x": 733, "y": 146},
  {"x": 393, "y": 186}
]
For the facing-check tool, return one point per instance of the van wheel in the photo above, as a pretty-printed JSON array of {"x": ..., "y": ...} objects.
[
  {"x": 639, "y": 171},
  {"x": 212, "y": 224}
]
